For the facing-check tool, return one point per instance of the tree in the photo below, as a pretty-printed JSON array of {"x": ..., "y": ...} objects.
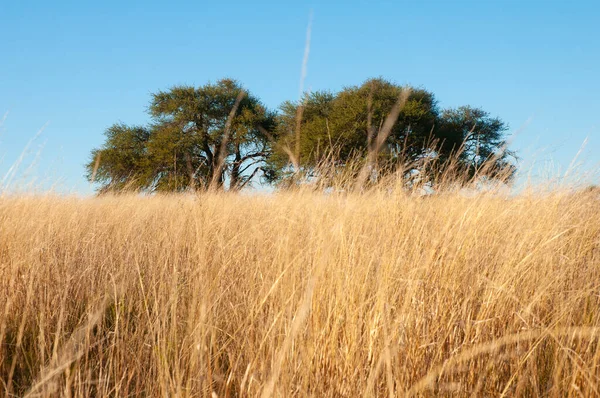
[
  {"x": 122, "y": 159},
  {"x": 482, "y": 145},
  {"x": 385, "y": 125},
  {"x": 199, "y": 138}
]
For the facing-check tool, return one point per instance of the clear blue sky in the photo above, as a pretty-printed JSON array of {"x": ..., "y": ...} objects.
[{"x": 81, "y": 66}]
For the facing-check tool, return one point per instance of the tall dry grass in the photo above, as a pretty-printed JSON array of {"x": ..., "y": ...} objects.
[{"x": 300, "y": 294}]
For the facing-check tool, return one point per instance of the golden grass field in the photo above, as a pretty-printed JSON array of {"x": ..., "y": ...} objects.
[{"x": 300, "y": 294}]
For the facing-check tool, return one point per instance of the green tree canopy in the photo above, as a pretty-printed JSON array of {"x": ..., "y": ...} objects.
[
  {"x": 351, "y": 124},
  {"x": 480, "y": 139},
  {"x": 219, "y": 135},
  {"x": 198, "y": 137}
]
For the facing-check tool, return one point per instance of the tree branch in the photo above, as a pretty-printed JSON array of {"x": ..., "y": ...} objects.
[
  {"x": 249, "y": 165},
  {"x": 250, "y": 177},
  {"x": 252, "y": 156}
]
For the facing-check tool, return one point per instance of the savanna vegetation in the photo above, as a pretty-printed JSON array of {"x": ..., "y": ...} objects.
[
  {"x": 392, "y": 262},
  {"x": 221, "y": 136},
  {"x": 296, "y": 293}
]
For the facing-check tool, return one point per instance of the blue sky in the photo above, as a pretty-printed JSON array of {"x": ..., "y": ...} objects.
[{"x": 78, "y": 67}]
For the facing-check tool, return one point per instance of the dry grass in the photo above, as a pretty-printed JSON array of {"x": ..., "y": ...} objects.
[{"x": 300, "y": 294}]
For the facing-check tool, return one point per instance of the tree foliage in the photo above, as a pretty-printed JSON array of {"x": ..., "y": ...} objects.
[
  {"x": 194, "y": 140},
  {"x": 480, "y": 140},
  {"x": 122, "y": 158},
  {"x": 351, "y": 125},
  {"x": 219, "y": 135}
]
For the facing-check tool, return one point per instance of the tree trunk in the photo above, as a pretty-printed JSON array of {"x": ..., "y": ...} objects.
[
  {"x": 190, "y": 170},
  {"x": 235, "y": 170}
]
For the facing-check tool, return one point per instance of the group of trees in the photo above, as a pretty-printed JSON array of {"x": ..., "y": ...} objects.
[{"x": 221, "y": 136}]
